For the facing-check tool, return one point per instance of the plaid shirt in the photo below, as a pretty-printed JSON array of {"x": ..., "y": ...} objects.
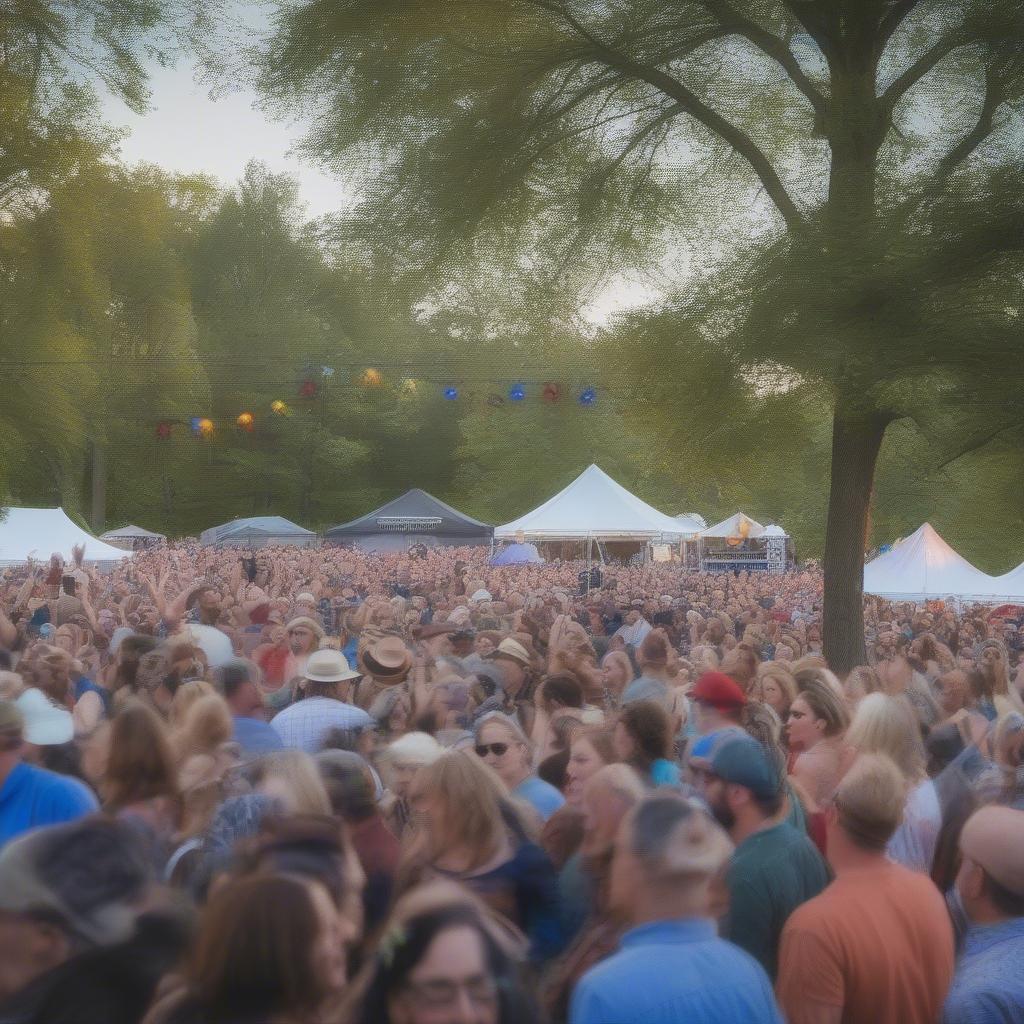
[{"x": 304, "y": 725}]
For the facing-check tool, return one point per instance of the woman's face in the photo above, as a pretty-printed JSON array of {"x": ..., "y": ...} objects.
[
  {"x": 484, "y": 645},
  {"x": 603, "y": 810},
  {"x": 65, "y": 641},
  {"x": 584, "y": 761},
  {"x": 398, "y": 720},
  {"x": 802, "y": 728},
  {"x": 772, "y": 694},
  {"x": 500, "y": 750},
  {"x": 402, "y": 777},
  {"x": 952, "y": 692},
  {"x": 450, "y": 985},
  {"x": 613, "y": 674},
  {"x": 334, "y": 935},
  {"x": 430, "y": 809}
]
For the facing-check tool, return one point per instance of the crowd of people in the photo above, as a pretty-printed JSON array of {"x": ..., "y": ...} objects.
[{"x": 322, "y": 786}]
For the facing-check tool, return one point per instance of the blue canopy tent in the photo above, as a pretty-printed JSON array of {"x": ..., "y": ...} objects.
[{"x": 517, "y": 554}]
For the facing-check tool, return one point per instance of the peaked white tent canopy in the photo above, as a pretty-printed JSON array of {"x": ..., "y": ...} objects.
[
  {"x": 40, "y": 532},
  {"x": 593, "y": 506},
  {"x": 131, "y": 532},
  {"x": 923, "y": 567},
  {"x": 731, "y": 527}
]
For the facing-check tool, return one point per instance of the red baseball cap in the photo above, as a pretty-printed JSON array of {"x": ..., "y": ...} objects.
[{"x": 722, "y": 692}]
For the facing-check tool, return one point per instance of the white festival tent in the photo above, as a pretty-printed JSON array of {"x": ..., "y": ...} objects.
[
  {"x": 131, "y": 532},
  {"x": 593, "y": 506},
  {"x": 924, "y": 567},
  {"x": 1011, "y": 585},
  {"x": 731, "y": 527},
  {"x": 40, "y": 532}
]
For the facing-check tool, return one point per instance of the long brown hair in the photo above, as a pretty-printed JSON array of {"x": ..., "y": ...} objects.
[
  {"x": 476, "y": 803},
  {"x": 141, "y": 762},
  {"x": 254, "y": 953}
]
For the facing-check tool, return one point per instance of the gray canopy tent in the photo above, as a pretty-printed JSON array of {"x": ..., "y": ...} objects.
[{"x": 257, "y": 531}]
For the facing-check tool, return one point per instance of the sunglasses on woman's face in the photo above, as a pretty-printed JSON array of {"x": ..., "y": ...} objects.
[{"x": 497, "y": 749}]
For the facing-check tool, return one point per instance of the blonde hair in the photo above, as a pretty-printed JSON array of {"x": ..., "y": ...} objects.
[
  {"x": 780, "y": 675},
  {"x": 11, "y": 685},
  {"x": 621, "y": 780},
  {"x": 861, "y": 681},
  {"x": 704, "y": 658},
  {"x": 186, "y": 695},
  {"x": 293, "y": 776},
  {"x": 474, "y": 799},
  {"x": 206, "y": 727},
  {"x": 870, "y": 801},
  {"x": 887, "y": 725}
]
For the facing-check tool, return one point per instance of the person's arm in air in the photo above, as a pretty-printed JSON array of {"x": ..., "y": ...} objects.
[{"x": 8, "y": 631}]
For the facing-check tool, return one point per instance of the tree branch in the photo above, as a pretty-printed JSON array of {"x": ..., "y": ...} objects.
[
  {"x": 977, "y": 443},
  {"x": 919, "y": 68},
  {"x": 690, "y": 104},
  {"x": 892, "y": 21},
  {"x": 638, "y": 139},
  {"x": 770, "y": 45},
  {"x": 994, "y": 96}
]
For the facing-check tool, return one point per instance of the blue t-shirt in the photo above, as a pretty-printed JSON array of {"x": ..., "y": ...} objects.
[
  {"x": 84, "y": 685},
  {"x": 31, "y": 797},
  {"x": 665, "y": 772},
  {"x": 540, "y": 795},
  {"x": 988, "y": 987},
  {"x": 255, "y": 736},
  {"x": 671, "y": 971}
]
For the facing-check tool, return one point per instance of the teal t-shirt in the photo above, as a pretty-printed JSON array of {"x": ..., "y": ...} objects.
[{"x": 772, "y": 873}]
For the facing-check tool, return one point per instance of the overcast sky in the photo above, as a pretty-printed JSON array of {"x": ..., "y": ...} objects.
[{"x": 186, "y": 131}]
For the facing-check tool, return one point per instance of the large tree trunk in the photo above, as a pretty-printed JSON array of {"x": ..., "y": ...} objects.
[{"x": 857, "y": 433}]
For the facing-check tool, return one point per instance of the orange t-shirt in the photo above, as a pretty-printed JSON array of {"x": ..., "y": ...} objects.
[{"x": 878, "y": 942}]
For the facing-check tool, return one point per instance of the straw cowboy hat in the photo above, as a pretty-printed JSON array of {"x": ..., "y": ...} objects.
[{"x": 387, "y": 659}]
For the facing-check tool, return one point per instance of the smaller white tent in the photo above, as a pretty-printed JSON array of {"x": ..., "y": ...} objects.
[
  {"x": 132, "y": 532},
  {"x": 132, "y": 538},
  {"x": 593, "y": 506},
  {"x": 690, "y": 524},
  {"x": 731, "y": 527},
  {"x": 924, "y": 567},
  {"x": 40, "y": 532}
]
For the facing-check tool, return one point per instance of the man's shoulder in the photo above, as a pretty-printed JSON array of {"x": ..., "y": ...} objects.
[
  {"x": 32, "y": 782},
  {"x": 819, "y": 914}
]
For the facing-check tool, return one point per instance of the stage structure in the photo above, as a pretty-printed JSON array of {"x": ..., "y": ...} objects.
[{"x": 742, "y": 544}]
